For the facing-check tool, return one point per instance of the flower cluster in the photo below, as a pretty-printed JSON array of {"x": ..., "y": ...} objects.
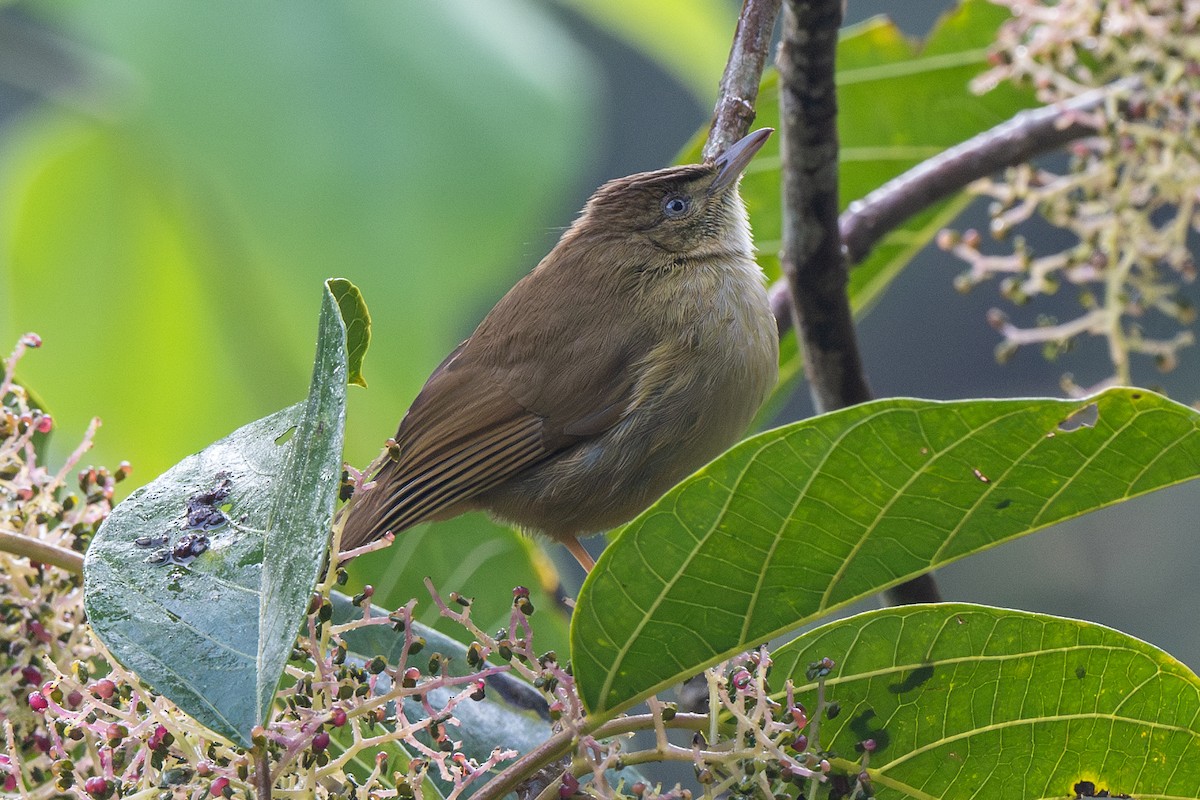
[
  {"x": 1128, "y": 198},
  {"x": 45, "y": 525}
]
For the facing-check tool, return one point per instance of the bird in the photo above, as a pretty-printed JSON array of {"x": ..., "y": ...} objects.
[{"x": 640, "y": 348}]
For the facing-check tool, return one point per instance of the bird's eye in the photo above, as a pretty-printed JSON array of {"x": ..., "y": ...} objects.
[{"x": 676, "y": 205}]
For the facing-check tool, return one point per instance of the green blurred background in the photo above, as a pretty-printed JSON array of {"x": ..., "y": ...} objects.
[{"x": 177, "y": 178}]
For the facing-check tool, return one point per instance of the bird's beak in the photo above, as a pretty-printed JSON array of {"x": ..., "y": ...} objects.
[{"x": 731, "y": 163}]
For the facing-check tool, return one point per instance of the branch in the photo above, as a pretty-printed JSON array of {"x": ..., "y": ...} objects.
[
  {"x": 734, "y": 112},
  {"x": 811, "y": 255},
  {"x": 37, "y": 550},
  {"x": 1027, "y": 135}
]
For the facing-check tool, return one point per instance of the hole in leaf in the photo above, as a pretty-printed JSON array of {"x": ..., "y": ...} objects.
[
  {"x": 283, "y": 438},
  {"x": 1083, "y": 418}
]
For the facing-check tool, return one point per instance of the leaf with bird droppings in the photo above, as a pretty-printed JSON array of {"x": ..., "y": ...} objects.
[{"x": 198, "y": 581}]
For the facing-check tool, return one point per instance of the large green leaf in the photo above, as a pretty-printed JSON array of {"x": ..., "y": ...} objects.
[
  {"x": 967, "y": 701},
  {"x": 899, "y": 103},
  {"x": 799, "y": 521},
  {"x": 213, "y": 633}
]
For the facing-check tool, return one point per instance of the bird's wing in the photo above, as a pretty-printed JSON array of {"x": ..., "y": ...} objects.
[{"x": 475, "y": 425}]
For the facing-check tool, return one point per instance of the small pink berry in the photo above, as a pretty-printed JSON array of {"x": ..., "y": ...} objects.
[
  {"x": 520, "y": 591},
  {"x": 104, "y": 688},
  {"x": 204, "y": 769},
  {"x": 74, "y": 698},
  {"x": 157, "y": 738},
  {"x": 31, "y": 339},
  {"x": 31, "y": 675},
  {"x": 320, "y": 742},
  {"x": 218, "y": 787},
  {"x": 44, "y": 424},
  {"x": 570, "y": 785},
  {"x": 96, "y": 786},
  {"x": 338, "y": 718},
  {"x": 37, "y": 702}
]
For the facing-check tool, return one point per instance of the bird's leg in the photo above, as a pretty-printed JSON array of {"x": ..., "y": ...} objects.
[{"x": 581, "y": 555}]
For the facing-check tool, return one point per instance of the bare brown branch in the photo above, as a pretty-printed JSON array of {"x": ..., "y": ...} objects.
[{"x": 734, "y": 112}]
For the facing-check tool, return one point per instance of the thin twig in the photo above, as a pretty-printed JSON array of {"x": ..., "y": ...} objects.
[
  {"x": 734, "y": 112},
  {"x": 38, "y": 550}
]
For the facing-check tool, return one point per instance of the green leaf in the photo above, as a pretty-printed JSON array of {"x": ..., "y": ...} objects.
[
  {"x": 213, "y": 634},
  {"x": 899, "y": 102},
  {"x": 357, "y": 320},
  {"x": 805, "y": 519},
  {"x": 967, "y": 701}
]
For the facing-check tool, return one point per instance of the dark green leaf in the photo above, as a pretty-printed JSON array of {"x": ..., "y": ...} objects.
[
  {"x": 357, "y": 320},
  {"x": 214, "y": 633},
  {"x": 956, "y": 696},
  {"x": 807, "y": 518}
]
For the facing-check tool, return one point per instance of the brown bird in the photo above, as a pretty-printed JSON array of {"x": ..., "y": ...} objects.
[{"x": 640, "y": 348}]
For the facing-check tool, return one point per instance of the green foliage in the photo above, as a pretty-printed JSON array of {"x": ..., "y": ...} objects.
[
  {"x": 805, "y": 519},
  {"x": 231, "y": 158},
  {"x": 966, "y": 701},
  {"x": 213, "y": 634}
]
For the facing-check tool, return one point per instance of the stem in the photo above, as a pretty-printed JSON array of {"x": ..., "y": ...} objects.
[
  {"x": 262, "y": 771},
  {"x": 811, "y": 256},
  {"x": 519, "y": 771},
  {"x": 37, "y": 550},
  {"x": 734, "y": 112},
  {"x": 560, "y": 744}
]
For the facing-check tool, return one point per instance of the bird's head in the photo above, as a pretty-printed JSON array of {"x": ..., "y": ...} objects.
[{"x": 691, "y": 211}]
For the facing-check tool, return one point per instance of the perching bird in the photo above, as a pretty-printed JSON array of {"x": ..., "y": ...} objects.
[{"x": 640, "y": 348}]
